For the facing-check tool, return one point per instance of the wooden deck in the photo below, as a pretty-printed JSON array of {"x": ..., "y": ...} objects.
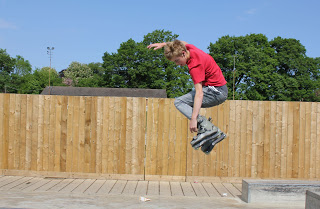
[{"x": 118, "y": 187}]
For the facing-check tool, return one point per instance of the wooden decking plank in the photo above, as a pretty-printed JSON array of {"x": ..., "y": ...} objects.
[
  {"x": 50, "y": 184},
  {"x": 4, "y": 178},
  {"x": 199, "y": 190},
  {"x": 238, "y": 186},
  {"x": 211, "y": 190},
  {"x": 61, "y": 185},
  {"x": 141, "y": 188},
  {"x": 165, "y": 189},
  {"x": 27, "y": 184},
  {"x": 106, "y": 187},
  {"x": 118, "y": 187},
  {"x": 9, "y": 180},
  {"x": 222, "y": 189},
  {"x": 153, "y": 188},
  {"x": 74, "y": 184},
  {"x": 176, "y": 189},
  {"x": 95, "y": 186},
  {"x": 130, "y": 188},
  {"x": 37, "y": 185},
  {"x": 15, "y": 183},
  {"x": 83, "y": 186},
  {"x": 233, "y": 190},
  {"x": 187, "y": 189}
]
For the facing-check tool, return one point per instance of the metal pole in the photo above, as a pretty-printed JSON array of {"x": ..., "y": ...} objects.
[{"x": 50, "y": 53}]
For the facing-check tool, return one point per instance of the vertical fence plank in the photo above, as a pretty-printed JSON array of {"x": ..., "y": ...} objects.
[
  {"x": 237, "y": 139},
  {"x": 82, "y": 137},
  {"x": 93, "y": 135},
  {"x": 17, "y": 130},
  {"x": 122, "y": 143},
  {"x": 165, "y": 135},
  {"x": 87, "y": 135},
  {"x": 69, "y": 139},
  {"x": 52, "y": 127},
  {"x": 271, "y": 158},
  {"x": 284, "y": 140},
  {"x": 46, "y": 133},
  {"x": 129, "y": 134},
  {"x": 6, "y": 112},
  {"x": 159, "y": 139},
  {"x": 307, "y": 140},
  {"x": 295, "y": 143},
  {"x": 172, "y": 137},
  {"x": 75, "y": 134},
  {"x": 232, "y": 133},
  {"x": 302, "y": 133},
  {"x": 22, "y": 145},
  {"x": 249, "y": 138},
  {"x": 105, "y": 135},
  {"x": 2, "y": 138},
  {"x": 40, "y": 125},
  {"x": 269, "y": 139},
  {"x": 243, "y": 138},
  {"x": 11, "y": 131},
  {"x": 57, "y": 138},
  {"x": 142, "y": 134},
  {"x": 64, "y": 131},
  {"x": 313, "y": 140},
  {"x": 99, "y": 128},
  {"x": 111, "y": 135},
  {"x": 212, "y": 161},
  {"x": 290, "y": 140},
  {"x": 29, "y": 132},
  {"x": 318, "y": 143},
  {"x": 116, "y": 135},
  {"x": 255, "y": 136}
]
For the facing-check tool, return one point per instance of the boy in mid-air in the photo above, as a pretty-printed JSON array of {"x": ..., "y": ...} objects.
[{"x": 209, "y": 90}]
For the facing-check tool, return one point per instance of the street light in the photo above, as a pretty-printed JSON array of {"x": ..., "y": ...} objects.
[{"x": 49, "y": 52}]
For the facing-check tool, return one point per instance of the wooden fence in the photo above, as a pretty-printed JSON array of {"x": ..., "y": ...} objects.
[{"x": 149, "y": 137}]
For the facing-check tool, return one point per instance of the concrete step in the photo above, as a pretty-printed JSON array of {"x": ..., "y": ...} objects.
[
  {"x": 312, "y": 200},
  {"x": 277, "y": 190}
]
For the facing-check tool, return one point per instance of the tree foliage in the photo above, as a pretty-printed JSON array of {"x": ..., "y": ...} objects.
[
  {"x": 135, "y": 66},
  {"x": 275, "y": 70}
]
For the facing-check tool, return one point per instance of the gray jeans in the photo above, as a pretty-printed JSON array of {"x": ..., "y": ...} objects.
[{"x": 212, "y": 96}]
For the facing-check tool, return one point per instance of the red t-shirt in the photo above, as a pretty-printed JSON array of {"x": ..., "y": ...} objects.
[{"x": 203, "y": 68}]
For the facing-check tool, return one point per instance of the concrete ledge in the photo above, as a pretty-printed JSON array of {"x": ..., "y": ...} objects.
[
  {"x": 277, "y": 190},
  {"x": 312, "y": 200}
]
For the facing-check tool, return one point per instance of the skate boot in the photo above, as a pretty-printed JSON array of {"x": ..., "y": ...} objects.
[
  {"x": 208, "y": 146},
  {"x": 206, "y": 131}
]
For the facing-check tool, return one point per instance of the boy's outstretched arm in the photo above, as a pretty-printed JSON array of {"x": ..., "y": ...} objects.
[
  {"x": 156, "y": 46},
  {"x": 161, "y": 45}
]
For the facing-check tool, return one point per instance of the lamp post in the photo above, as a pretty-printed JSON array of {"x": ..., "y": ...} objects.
[{"x": 49, "y": 52}]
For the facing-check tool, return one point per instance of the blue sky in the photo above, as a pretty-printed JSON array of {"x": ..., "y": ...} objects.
[{"x": 83, "y": 30}]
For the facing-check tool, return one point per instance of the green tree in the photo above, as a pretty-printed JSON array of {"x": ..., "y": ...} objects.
[
  {"x": 36, "y": 82},
  {"x": 7, "y": 64},
  {"x": 275, "y": 70},
  {"x": 253, "y": 58},
  {"x": 300, "y": 73},
  {"x": 135, "y": 66},
  {"x": 79, "y": 74}
]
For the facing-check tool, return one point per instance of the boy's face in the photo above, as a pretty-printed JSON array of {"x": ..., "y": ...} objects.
[{"x": 180, "y": 60}]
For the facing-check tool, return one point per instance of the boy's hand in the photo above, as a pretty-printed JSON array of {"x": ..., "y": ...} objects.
[
  {"x": 193, "y": 125},
  {"x": 156, "y": 46}
]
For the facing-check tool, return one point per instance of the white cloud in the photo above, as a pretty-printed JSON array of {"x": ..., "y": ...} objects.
[
  {"x": 251, "y": 11},
  {"x": 7, "y": 25}
]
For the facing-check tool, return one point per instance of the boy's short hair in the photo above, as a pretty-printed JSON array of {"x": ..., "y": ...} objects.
[{"x": 174, "y": 49}]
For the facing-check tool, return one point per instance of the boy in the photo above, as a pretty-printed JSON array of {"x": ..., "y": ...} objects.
[{"x": 209, "y": 90}]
